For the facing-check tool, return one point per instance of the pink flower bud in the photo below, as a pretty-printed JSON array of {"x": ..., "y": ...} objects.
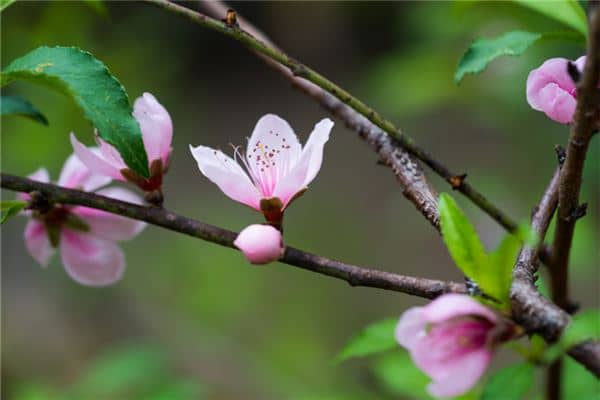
[
  {"x": 452, "y": 340},
  {"x": 550, "y": 89},
  {"x": 261, "y": 244}
]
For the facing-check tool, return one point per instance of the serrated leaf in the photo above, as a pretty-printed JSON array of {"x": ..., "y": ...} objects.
[
  {"x": 375, "y": 338},
  {"x": 15, "y": 105},
  {"x": 510, "y": 383},
  {"x": 10, "y": 208},
  {"x": 483, "y": 51},
  {"x": 5, "y": 3},
  {"x": 88, "y": 81},
  {"x": 568, "y": 12},
  {"x": 460, "y": 238}
]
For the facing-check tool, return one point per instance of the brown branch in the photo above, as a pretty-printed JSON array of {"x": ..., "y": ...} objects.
[
  {"x": 354, "y": 275},
  {"x": 586, "y": 116},
  {"x": 530, "y": 309},
  {"x": 406, "y": 168}
]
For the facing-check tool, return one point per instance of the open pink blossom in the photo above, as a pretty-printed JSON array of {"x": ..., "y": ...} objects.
[
  {"x": 452, "y": 340},
  {"x": 276, "y": 169},
  {"x": 85, "y": 236},
  {"x": 157, "y": 134},
  {"x": 261, "y": 244},
  {"x": 550, "y": 89}
]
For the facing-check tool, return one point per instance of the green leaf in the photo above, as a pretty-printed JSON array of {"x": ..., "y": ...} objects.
[
  {"x": 460, "y": 237},
  {"x": 578, "y": 382},
  {"x": 584, "y": 326},
  {"x": 497, "y": 278},
  {"x": 483, "y": 51},
  {"x": 568, "y": 12},
  {"x": 398, "y": 374},
  {"x": 5, "y": 3},
  {"x": 98, "y": 6},
  {"x": 88, "y": 81},
  {"x": 10, "y": 208},
  {"x": 15, "y": 105},
  {"x": 375, "y": 338},
  {"x": 510, "y": 383}
]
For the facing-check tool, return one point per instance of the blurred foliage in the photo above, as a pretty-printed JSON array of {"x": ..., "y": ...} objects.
[
  {"x": 273, "y": 332},
  {"x": 375, "y": 338}
]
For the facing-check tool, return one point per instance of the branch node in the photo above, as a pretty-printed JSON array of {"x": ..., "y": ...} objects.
[
  {"x": 578, "y": 212},
  {"x": 457, "y": 181},
  {"x": 230, "y": 19},
  {"x": 561, "y": 154},
  {"x": 39, "y": 202}
]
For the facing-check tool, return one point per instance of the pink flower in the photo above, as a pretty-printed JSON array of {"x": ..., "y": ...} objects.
[
  {"x": 452, "y": 340},
  {"x": 261, "y": 244},
  {"x": 85, "y": 236},
  {"x": 550, "y": 89},
  {"x": 276, "y": 167},
  {"x": 157, "y": 133}
]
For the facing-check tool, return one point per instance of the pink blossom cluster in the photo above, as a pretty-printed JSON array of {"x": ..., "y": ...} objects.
[{"x": 87, "y": 238}]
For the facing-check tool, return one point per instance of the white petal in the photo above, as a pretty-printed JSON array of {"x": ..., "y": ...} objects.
[
  {"x": 37, "y": 242},
  {"x": 76, "y": 174},
  {"x": 227, "y": 174},
  {"x": 110, "y": 226},
  {"x": 156, "y": 126},
  {"x": 95, "y": 161},
  {"x": 308, "y": 165},
  {"x": 90, "y": 260}
]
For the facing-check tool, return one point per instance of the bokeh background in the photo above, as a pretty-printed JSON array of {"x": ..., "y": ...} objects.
[{"x": 193, "y": 320}]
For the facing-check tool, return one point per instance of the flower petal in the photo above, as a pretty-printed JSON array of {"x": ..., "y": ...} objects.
[
  {"x": 156, "y": 126},
  {"x": 453, "y": 305},
  {"x": 462, "y": 375},
  {"x": 110, "y": 226},
  {"x": 40, "y": 175},
  {"x": 91, "y": 261},
  {"x": 558, "y": 104},
  {"x": 75, "y": 174},
  {"x": 37, "y": 243},
  {"x": 411, "y": 327},
  {"x": 227, "y": 174},
  {"x": 554, "y": 71},
  {"x": 96, "y": 161},
  {"x": 308, "y": 165},
  {"x": 261, "y": 244}
]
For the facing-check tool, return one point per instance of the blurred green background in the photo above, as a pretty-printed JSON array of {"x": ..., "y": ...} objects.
[{"x": 194, "y": 320}]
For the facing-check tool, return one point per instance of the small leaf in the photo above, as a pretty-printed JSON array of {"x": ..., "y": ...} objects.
[
  {"x": 10, "y": 208},
  {"x": 398, "y": 374},
  {"x": 510, "y": 383},
  {"x": 496, "y": 279},
  {"x": 483, "y": 51},
  {"x": 584, "y": 326},
  {"x": 568, "y": 12},
  {"x": 15, "y": 105},
  {"x": 375, "y": 338},
  {"x": 460, "y": 237},
  {"x": 88, "y": 81}
]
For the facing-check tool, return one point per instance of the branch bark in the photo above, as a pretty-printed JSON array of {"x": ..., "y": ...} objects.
[
  {"x": 354, "y": 275},
  {"x": 530, "y": 309},
  {"x": 299, "y": 70},
  {"x": 584, "y": 123}
]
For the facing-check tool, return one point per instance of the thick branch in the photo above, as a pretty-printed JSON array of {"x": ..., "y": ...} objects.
[
  {"x": 302, "y": 71},
  {"x": 354, "y": 275},
  {"x": 586, "y": 116},
  {"x": 532, "y": 310}
]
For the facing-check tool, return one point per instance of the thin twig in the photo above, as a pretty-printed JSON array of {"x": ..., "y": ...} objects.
[
  {"x": 533, "y": 311},
  {"x": 354, "y": 275},
  {"x": 302, "y": 71}
]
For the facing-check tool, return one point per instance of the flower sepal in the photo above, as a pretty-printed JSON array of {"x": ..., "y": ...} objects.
[
  {"x": 151, "y": 185},
  {"x": 272, "y": 209}
]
